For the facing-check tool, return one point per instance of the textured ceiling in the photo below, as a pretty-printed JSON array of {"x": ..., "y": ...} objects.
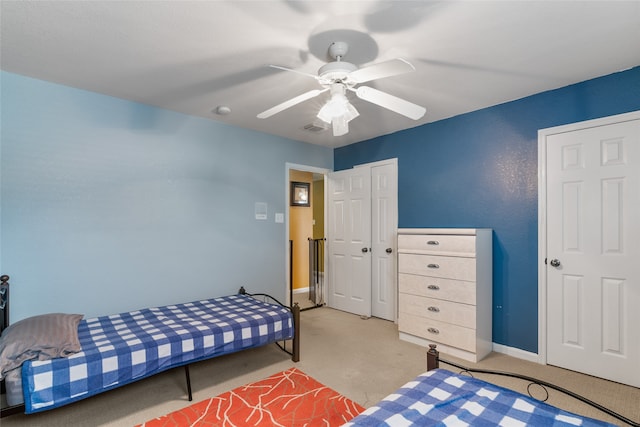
[{"x": 191, "y": 57}]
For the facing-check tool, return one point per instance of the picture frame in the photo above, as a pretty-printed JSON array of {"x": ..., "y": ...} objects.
[{"x": 300, "y": 195}]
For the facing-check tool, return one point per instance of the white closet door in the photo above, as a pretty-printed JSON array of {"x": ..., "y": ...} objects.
[
  {"x": 384, "y": 223},
  {"x": 349, "y": 241},
  {"x": 593, "y": 250}
]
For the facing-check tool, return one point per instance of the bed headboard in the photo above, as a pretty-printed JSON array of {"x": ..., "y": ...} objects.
[{"x": 4, "y": 302}]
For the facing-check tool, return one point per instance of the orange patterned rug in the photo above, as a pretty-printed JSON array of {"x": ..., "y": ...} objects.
[{"x": 289, "y": 398}]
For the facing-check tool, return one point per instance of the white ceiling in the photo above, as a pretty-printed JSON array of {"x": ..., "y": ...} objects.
[{"x": 192, "y": 56}]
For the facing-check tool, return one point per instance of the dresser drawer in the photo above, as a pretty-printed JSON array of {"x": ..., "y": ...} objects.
[
  {"x": 433, "y": 330},
  {"x": 435, "y": 309},
  {"x": 437, "y": 287},
  {"x": 438, "y": 266},
  {"x": 437, "y": 244}
]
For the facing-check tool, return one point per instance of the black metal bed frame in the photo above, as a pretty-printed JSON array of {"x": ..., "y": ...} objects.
[
  {"x": 434, "y": 359},
  {"x": 294, "y": 352},
  {"x": 295, "y": 311},
  {"x": 4, "y": 302}
]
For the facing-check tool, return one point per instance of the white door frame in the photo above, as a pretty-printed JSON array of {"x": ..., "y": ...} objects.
[
  {"x": 303, "y": 168},
  {"x": 542, "y": 211}
]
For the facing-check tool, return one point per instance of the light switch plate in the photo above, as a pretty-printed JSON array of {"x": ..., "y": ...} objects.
[{"x": 279, "y": 217}]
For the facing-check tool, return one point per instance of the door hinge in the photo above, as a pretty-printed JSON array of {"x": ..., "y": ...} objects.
[{"x": 545, "y": 261}]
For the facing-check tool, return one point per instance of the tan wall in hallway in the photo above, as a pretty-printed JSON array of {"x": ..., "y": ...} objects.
[
  {"x": 300, "y": 230},
  {"x": 317, "y": 203}
]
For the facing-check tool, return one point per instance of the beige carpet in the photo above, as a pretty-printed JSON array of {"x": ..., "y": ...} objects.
[
  {"x": 361, "y": 359},
  {"x": 302, "y": 298}
]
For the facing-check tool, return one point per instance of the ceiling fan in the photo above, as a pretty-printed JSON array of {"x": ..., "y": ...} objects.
[{"x": 340, "y": 76}]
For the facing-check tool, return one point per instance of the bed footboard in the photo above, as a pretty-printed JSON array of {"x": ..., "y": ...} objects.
[
  {"x": 433, "y": 362},
  {"x": 295, "y": 311}
]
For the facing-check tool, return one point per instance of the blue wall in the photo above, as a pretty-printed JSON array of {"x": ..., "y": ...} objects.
[
  {"x": 480, "y": 170},
  {"x": 109, "y": 205}
]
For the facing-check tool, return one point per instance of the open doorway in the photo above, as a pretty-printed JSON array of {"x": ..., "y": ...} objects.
[{"x": 306, "y": 259}]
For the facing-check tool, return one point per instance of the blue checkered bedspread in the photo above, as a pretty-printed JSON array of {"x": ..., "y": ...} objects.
[
  {"x": 126, "y": 347},
  {"x": 442, "y": 398}
]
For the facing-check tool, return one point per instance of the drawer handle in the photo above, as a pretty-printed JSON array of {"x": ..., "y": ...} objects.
[
  {"x": 433, "y": 242},
  {"x": 433, "y": 266},
  {"x": 434, "y": 287},
  {"x": 433, "y": 331},
  {"x": 434, "y": 309}
]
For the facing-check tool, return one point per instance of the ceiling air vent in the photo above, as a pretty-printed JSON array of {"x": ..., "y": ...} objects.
[{"x": 312, "y": 127}]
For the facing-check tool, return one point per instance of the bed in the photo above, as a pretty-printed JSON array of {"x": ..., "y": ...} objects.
[
  {"x": 111, "y": 351},
  {"x": 443, "y": 398}
]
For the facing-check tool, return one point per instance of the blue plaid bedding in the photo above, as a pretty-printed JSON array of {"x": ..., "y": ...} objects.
[
  {"x": 126, "y": 347},
  {"x": 442, "y": 398}
]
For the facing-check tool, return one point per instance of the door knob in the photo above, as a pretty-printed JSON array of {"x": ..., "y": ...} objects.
[
  {"x": 365, "y": 250},
  {"x": 555, "y": 263},
  {"x": 389, "y": 250}
]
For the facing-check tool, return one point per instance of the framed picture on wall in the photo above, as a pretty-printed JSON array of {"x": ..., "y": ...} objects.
[{"x": 299, "y": 193}]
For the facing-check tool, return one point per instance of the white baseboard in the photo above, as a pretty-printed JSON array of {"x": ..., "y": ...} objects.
[
  {"x": 303, "y": 290},
  {"x": 517, "y": 353}
]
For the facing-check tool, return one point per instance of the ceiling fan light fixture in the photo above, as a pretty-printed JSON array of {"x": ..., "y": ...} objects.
[
  {"x": 338, "y": 111},
  {"x": 337, "y": 107},
  {"x": 340, "y": 126}
]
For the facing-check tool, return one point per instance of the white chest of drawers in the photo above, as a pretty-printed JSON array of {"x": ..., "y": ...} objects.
[{"x": 445, "y": 289}]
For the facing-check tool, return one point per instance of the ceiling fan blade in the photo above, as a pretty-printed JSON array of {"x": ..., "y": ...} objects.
[
  {"x": 390, "y": 102},
  {"x": 294, "y": 71},
  {"x": 290, "y": 103},
  {"x": 380, "y": 70}
]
